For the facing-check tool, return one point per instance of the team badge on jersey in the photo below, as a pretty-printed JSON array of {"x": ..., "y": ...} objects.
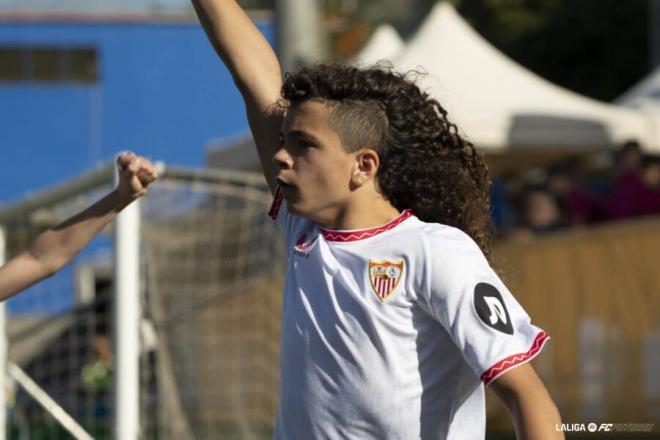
[
  {"x": 384, "y": 277},
  {"x": 491, "y": 309}
]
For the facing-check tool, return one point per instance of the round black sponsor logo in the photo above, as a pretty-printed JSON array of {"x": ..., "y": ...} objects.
[{"x": 491, "y": 309}]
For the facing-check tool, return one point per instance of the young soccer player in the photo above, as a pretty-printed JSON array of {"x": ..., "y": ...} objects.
[
  {"x": 58, "y": 246},
  {"x": 393, "y": 320}
]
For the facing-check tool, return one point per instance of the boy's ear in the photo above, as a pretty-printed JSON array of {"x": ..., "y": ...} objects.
[{"x": 366, "y": 166}]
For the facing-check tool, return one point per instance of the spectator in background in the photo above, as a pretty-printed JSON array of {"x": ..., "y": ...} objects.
[
  {"x": 499, "y": 205},
  {"x": 575, "y": 204},
  {"x": 628, "y": 186},
  {"x": 628, "y": 159},
  {"x": 577, "y": 191},
  {"x": 648, "y": 200},
  {"x": 541, "y": 214}
]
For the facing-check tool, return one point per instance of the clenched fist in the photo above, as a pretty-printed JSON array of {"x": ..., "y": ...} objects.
[{"x": 135, "y": 175}]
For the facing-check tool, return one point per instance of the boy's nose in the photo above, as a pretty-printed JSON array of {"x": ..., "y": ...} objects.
[{"x": 282, "y": 159}]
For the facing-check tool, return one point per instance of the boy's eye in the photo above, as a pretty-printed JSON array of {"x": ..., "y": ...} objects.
[{"x": 305, "y": 144}]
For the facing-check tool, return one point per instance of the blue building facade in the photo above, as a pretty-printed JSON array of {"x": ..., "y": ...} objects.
[{"x": 74, "y": 92}]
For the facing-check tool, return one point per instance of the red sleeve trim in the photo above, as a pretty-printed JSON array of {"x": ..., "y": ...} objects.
[
  {"x": 277, "y": 202},
  {"x": 517, "y": 359}
]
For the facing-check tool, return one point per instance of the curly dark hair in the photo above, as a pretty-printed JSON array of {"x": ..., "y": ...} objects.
[{"x": 425, "y": 164}]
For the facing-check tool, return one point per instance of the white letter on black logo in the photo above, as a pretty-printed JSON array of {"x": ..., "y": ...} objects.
[{"x": 491, "y": 309}]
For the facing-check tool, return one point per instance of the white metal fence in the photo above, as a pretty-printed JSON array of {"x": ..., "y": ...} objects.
[{"x": 165, "y": 326}]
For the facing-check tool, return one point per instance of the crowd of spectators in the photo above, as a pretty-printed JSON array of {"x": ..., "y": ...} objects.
[{"x": 575, "y": 192}]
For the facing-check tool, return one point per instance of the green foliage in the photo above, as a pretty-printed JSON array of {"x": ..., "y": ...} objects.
[{"x": 596, "y": 47}]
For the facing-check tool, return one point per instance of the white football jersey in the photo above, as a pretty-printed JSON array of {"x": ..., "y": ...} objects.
[{"x": 392, "y": 332}]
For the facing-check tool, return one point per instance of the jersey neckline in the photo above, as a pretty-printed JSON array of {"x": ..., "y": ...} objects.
[{"x": 361, "y": 234}]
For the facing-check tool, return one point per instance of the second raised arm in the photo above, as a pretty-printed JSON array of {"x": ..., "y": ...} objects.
[{"x": 254, "y": 68}]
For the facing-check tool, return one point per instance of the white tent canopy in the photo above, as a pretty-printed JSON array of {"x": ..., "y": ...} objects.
[
  {"x": 385, "y": 43},
  {"x": 499, "y": 104},
  {"x": 645, "y": 94}
]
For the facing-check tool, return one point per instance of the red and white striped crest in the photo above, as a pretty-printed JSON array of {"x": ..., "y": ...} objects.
[{"x": 385, "y": 277}]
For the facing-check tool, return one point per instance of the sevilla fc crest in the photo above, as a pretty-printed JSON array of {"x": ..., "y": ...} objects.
[{"x": 384, "y": 277}]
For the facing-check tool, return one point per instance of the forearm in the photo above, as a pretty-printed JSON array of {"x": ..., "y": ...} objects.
[
  {"x": 255, "y": 70},
  {"x": 534, "y": 414},
  {"x": 57, "y": 246},
  {"x": 243, "y": 49},
  {"x": 535, "y": 417}
]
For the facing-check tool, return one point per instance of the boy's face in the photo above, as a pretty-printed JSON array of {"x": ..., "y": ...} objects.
[{"x": 314, "y": 171}]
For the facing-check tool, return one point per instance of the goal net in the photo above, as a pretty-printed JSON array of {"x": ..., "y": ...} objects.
[
  {"x": 212, "y": 267},
  {"x": 59, "y": 330}
]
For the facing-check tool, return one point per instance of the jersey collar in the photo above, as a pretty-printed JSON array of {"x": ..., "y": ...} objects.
[{"x": 361, "y": 234}]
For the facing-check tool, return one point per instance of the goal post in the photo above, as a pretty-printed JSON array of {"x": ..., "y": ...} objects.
[
  {"x": 126, "y": 322},
  {"x": 190, "y": 280},
  {"x": 48, "y": 329}
]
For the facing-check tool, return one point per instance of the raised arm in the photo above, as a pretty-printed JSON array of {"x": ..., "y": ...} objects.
[
  {"x": 57, "y": 246},
  {"x": 255, "y": 70}
]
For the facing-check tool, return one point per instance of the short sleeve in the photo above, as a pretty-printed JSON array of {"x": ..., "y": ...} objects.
[
  {"x": 288, "y": 223},
  {"x": 462, "y": 291}
]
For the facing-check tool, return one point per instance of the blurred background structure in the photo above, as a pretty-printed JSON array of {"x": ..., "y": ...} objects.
[{"x": 562, "y": 97}]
